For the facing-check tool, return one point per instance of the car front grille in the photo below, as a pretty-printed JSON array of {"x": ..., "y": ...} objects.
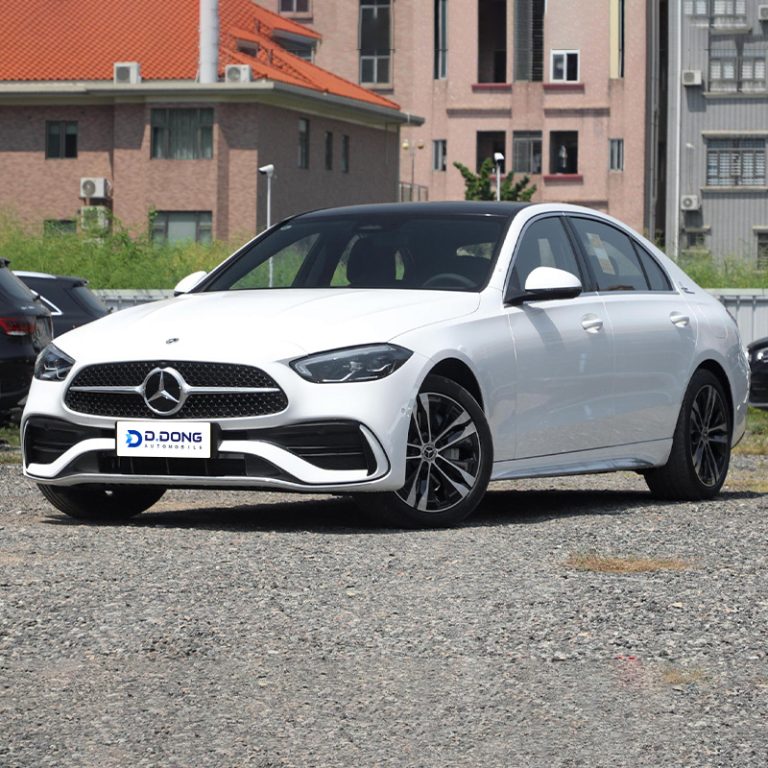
[{"x": 231, "y": 402}]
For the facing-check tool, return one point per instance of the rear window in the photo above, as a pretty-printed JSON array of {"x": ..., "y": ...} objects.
[{"x": 12, "y": 290}]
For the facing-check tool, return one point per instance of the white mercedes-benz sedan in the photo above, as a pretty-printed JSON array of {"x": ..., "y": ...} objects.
[{"x": 408, "y": 354}]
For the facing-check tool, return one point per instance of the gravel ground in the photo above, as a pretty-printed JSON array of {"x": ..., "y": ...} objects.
[{"x": 233, "y": 629}]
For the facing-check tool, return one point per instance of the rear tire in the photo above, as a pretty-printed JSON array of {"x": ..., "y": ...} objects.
[
  {"x": 449, "y": 456},
  {"x": 701, "y": 445},
  {"x": 101, "y": 503}
]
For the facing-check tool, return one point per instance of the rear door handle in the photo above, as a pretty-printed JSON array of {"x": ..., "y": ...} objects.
[
  {"x": 679, "y": 319},
  {"x": 591, "y": 323}
]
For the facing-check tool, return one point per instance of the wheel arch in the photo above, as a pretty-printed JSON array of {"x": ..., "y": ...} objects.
[
  {"x": 719, "y": 372},
  {"x": 459, "y": 372}
]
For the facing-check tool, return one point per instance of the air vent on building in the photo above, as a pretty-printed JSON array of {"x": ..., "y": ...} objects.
[
  {"x": 691, "y": 77},
  {"x": 762, "y": 12},
  {"x": 690, "y": 203},
  {"x": 237, "y": 73},
  {"x": 126, "y": 73},
  {"x": 94, "y": 187}
]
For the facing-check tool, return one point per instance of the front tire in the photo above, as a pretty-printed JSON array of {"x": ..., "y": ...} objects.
[
  {"x": 701, "y": 446},
  {"x": 101, "y": 503},
  {"x": 449, "y": 455}
]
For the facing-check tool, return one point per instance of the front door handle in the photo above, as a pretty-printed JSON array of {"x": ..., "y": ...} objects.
[
  {"x": 679, "y": 319},
  {"x": 591, "y": 323}
]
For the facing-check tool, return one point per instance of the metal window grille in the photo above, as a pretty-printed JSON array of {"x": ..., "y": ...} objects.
[
  {"x": 736, "y": 163},
  {"x": 526, "y": 151},
  {"x": 733, "y": 73}
]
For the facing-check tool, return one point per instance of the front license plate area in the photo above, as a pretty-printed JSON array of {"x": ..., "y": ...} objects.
[{"x": 177, "y": 439}]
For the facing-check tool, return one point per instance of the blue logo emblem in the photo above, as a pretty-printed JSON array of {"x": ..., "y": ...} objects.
[{"x": 133, "y": 438}]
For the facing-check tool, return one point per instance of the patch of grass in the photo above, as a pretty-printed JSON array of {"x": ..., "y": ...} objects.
[
  {"x": 10, "y": 435},
  {"x": 676, "y": 676},
  {"x": 116, "y": 260},
  {"x": 630, "y": 564},
  {"x": 755, "y": 441}
]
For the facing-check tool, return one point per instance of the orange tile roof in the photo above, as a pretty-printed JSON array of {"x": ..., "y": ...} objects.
[{"x": 79, "y": 40}]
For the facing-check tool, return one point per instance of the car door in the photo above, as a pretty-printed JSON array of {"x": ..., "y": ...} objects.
[
  {"x": 653, "y": 327},
  {"x": 563, "y": 355}
]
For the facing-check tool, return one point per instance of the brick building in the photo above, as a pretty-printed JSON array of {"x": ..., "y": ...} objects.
[
  {"x": 140, "y": 108},
  {"x": 569, "y": 92}
]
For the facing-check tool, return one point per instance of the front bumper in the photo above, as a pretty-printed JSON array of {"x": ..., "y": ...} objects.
[{"x": 330, "y": 438}]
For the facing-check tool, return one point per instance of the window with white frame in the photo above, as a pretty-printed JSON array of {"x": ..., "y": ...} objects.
[
  {"x": 294, "y": 6},
  {"x": 439, "y": 151},
  {"x": 526, "y": 151},
  {"x": 565, "y": 67},
  {"x": 696, "y": 7},
  {"x": 729, "y": 8},
  {"x": 616, "y": 151},
  {"x": 736, "y": 163},
  {"x": 375, "y": 41}
]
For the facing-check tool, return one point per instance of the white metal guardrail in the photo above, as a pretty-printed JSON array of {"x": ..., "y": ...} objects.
[{"x": 748, "y": 306}]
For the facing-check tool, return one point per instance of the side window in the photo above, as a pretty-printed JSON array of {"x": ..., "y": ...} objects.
[
  {"x": 611, "y": 256},
  {"x": 657, "y": 277},
  {"x": 543, "y": 244}
]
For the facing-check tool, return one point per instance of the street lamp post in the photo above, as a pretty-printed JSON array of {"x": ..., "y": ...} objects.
[
  {"x": 498, "y": 159},
  {"x": 412, "y": 149},
  {"x": 269, "y": 172}
]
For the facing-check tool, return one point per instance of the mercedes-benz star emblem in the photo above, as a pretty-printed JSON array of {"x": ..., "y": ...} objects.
[{"x": 164, "y": 391}]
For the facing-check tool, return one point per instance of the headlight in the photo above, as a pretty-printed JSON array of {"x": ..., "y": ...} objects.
[
  {"x": 52, "y": 364},
  {"x": 352, "y": 364}
]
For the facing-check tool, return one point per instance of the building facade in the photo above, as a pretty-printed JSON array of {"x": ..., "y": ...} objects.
[
  {"x": 113, "y": 123},
  {"x": 718, "y": 129},
  {"x": 568, "y": 92}
]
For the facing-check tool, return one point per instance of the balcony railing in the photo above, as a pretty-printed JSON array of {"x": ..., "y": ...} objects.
[{"x": 413, "y": 193}]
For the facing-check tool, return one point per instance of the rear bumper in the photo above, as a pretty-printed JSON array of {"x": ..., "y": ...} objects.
[{"x": 15, "y": 378}]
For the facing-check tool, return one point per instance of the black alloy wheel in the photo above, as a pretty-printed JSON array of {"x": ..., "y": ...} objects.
[{"x": 701, "y": 445}]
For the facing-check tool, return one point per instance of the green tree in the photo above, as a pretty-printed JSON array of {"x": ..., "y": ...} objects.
[{"x": 478, "y": 185}]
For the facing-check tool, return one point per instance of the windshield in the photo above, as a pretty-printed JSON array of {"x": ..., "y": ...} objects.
[{"x": 424, "y": 252}]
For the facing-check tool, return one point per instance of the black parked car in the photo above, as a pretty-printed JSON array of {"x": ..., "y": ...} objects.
[
  {"x": 758, "y": 366},
  {"x": 25, "y": 328},
  {"x": 70, "y": 300}
]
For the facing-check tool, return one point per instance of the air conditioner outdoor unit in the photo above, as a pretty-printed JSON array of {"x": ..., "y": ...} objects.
[
  {"x": 94, "y": 219},
  {"x": 691, "y": 77},
  {"x": 94, "y": 186},
  {"x": 237, "y": 73},
  {"x": 690, "y": 203},
  {"x": 762, "y": 12},
  {"x": 126, "y": 73}
]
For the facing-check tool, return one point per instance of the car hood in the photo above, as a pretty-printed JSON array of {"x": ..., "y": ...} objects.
[{"x": 276, "y": 324}]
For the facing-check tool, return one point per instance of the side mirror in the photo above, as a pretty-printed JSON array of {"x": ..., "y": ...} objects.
[
  {"x": 547, "y": 284},
  {"x": 186, "y": 284}
]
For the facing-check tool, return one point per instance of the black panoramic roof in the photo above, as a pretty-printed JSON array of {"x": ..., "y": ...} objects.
[{"x": 443, "y": 208}]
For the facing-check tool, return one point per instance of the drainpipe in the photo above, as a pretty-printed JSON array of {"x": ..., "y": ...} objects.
[{"x": 208, "y": 70}]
